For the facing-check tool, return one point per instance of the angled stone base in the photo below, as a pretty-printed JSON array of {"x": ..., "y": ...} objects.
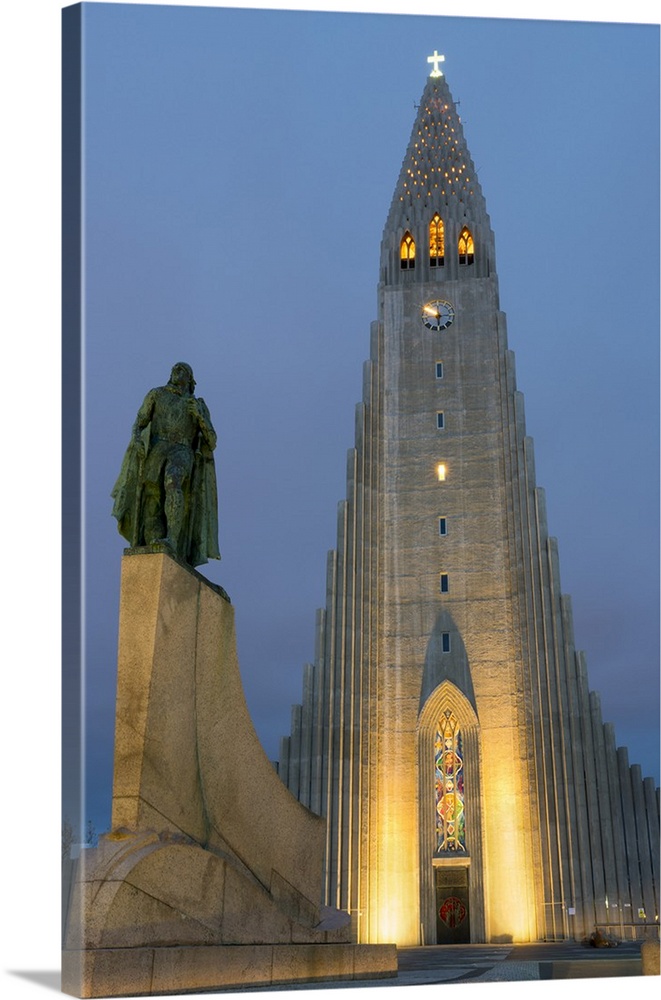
[
  {"x": 212, "y": 873},
  {"x": 179, "y": 969}
]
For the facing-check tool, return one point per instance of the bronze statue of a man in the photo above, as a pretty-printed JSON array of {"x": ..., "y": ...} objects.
[{"x": 166, "y": 491}]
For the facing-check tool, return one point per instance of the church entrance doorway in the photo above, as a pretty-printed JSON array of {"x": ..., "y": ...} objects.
[{"x": 452, "y": 910}]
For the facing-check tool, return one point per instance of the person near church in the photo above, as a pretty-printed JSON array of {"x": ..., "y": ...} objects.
[{"x": 166, "y": 492}]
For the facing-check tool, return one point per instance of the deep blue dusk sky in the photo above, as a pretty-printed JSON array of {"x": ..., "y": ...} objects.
[
  {"x": 239, "y": 166},
  {"x": 237, "y": 184}
]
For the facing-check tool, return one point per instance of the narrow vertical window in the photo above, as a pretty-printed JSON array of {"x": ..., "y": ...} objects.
[
  {"x": 445, "y": 642},
  {"x": 440, "y": 472},
  {"x": 442, "y": 525},
  {"x": 445, "y": 583},
  {"x": 440, "y": 420},
  {"x": 436, "y": 242},
  {"x": 466, "y": 247},
  {"x": 449, "y": 786},
  {"x": 439, "y": 369},
  {"x": 407, "y": 251}
]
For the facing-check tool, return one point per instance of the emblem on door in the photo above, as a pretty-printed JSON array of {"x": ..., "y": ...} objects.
[{"x": 452, "y": 911}]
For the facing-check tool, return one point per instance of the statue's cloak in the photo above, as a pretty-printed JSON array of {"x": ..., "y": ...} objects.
[{"x": 202, "y": 519}]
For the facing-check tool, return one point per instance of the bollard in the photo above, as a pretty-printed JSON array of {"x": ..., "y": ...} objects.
[{"x": 649, "y": 953}]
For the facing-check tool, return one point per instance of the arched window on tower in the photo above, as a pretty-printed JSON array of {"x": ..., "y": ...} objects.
[
  {"x": 466, "y": 247},
  {"x": 436, "y": 242},
  {"x": 407, "y": 251},
  {"x": 449, "y": 790}
]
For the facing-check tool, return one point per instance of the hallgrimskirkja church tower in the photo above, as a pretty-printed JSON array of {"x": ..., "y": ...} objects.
[{"x": 447, "y": 732}]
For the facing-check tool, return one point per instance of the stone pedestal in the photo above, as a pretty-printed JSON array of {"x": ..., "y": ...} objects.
[{"x": 211, "y": 876}]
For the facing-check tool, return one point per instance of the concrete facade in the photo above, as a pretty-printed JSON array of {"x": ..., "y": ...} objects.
[
  {"x": 193, "y": 888},
  {"x": 444, "y": 599}
]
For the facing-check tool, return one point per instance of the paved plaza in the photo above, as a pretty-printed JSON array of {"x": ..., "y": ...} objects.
[{"x": 500, "y": 963}]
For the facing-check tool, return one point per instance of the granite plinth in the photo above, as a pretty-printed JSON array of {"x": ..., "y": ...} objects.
[
  {"x": 211, "y": 875},
  {"x": 146, "y": 971}
]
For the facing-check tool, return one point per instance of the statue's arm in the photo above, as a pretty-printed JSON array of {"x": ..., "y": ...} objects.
[
  {"x": 204, "y": 420},
  {"x": 145, "y": 414}
]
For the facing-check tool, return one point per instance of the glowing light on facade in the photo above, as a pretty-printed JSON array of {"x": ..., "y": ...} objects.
[
  {"x": 436, "y": 241},
  {"x": 466, "y": 246},
  {"x": 407, "y": 251}
]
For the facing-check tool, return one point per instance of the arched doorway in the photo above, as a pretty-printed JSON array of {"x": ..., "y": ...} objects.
[{"x": 451, "y": 883}]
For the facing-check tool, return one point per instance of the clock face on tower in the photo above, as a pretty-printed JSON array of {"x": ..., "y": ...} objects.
[{"x": 437, "y": 315}]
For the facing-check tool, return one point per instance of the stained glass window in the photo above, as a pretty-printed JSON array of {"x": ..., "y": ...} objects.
[
  {"x": 449, "y": 774},
  {"x": 466, "y": 247},
  {"x": 407, "y": 251},
  {"x": 436, "y": 242}
]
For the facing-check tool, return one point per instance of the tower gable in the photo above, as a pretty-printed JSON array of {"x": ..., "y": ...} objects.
[
  {"x": 437, "y": 183},
  {"x": 446, "y": 661}
]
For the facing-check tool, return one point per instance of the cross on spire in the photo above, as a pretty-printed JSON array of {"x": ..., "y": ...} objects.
[{"x": 435, "y": 59}]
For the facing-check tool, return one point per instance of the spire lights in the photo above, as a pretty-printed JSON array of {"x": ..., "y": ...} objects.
[{"x": 435, "y": 59}]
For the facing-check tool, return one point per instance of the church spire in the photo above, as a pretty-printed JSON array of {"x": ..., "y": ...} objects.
[
  {"x": 437, "y": 178},
  {"x": 447, "y": 731}
]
